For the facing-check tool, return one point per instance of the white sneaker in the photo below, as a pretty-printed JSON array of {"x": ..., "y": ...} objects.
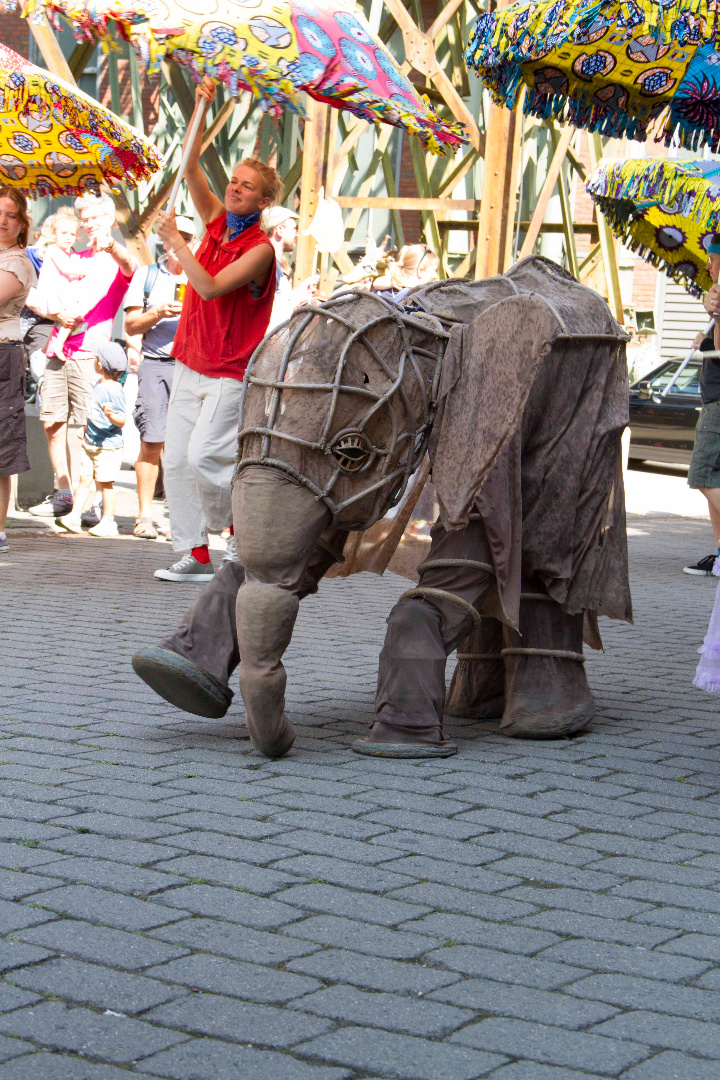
[
  {"x": 107, "y": 526},
  {"x": 230, "y": 554},
  {"x": 186, "y": 569},
  {"x": 70, "y": 522}
]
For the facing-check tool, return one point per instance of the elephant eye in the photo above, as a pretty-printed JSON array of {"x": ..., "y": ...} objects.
[{"x": 351, "y": 451}]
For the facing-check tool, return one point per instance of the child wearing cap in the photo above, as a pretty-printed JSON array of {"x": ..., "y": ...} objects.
[{"x": 102, "y": 441}]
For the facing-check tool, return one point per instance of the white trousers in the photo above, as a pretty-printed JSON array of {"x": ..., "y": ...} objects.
[{"x": 200, "y": 448}]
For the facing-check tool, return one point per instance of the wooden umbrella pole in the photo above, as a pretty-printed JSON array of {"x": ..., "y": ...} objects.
[{"x": 197, "y": 120}]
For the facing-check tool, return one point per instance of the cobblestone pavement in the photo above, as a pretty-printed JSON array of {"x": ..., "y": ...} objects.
[{"x": 176, "y": 906}]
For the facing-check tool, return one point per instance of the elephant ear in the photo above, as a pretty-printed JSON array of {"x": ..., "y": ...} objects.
[{"x": 488, "y": 370}]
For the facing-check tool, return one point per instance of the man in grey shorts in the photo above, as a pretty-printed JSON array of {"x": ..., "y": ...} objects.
[
  {"x": 152, "y": 312},
  {"x": 704, "y": 473}
]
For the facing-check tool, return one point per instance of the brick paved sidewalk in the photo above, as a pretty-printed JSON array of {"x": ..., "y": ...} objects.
[{"x": 176, "y": 906}]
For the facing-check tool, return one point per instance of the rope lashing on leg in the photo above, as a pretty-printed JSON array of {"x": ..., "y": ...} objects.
[
  {"x": 441, "y": 594},
  {"x": 561, "y": 654}
]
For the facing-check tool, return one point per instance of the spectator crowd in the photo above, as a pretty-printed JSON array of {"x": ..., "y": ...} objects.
[{"x": 186, "y": 325}]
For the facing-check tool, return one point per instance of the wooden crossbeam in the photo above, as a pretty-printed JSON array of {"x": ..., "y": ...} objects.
[
  {"x": 406, "y": 203},
  {"x": 607, "y": 242}
]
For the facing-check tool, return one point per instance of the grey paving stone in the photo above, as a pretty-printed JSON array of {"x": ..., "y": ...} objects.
[
  {"x": 654, "y": 871},
  {"x": 555, "y": 1046},
  {"x": 209, "y": 1059},
  {"x": 351, "y": 904},
  {"x": 237, "y": 979},
  {"x": 18, "y": 857},
  {"x": 487, "y": 996},
  {"x": 391, "y": 1012},
  {"x": 451, "y": 828},
  {"x": 14, "y": 954},
  {"x": 327, "y": 823},
  {"x": 129, "y": 952},
  {"x": 12, "y": 997},
  {"x": 646, "y": 994},
  {"x": 632, "y": 825},
  {"x": 227, "y": 826},
  {"x": 374, "y": 940},
  {"x": 108, "y": 908},
  {"x": 231, "y": 904},
  {"x": 464, "y": 901},
  {"x": 238, "y": 1021},
  {"x": 372, "y": 972},
  {"x": 625, "y": 932},
  {"x": 119, "y": 826},
  {"x": 228, "y": 872},
  {"x": 604, "y": 956},
  {"x": 470, "y": 931},
  {"x": 463, "y": 852},
  {"x": 90, "y": 984},
  {"x": 49, "y": 1066},
  {"x": 236, "y": 942},
  {"x": 227, "y": 847},
  {"x": 115, "y": 1039},
  {"x": 702, "y": 946},
  {"x": 523, "y": 824},
  {"x": 400, "y": 1056},
  {"x": 671, "y": 1065},
  {"x": 103, "y": 847},
  {"x": 109, "y": 875},
  {"x": 578, "y": 900},
  {"x": 337, "y": 847},
  {"x": 530, "y": 1070},
  {"x": 342, "y": 872},
  {"x": 671, "y": 1032},
  {"x": 494, "y": 964},
  {"x": 612, "y": 844},
  {"x": 17, "y": 916},
  {"x": 15, "y": 886}
]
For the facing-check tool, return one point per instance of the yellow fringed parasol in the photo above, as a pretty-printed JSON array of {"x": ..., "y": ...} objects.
[{"x": 55, "y": 140}]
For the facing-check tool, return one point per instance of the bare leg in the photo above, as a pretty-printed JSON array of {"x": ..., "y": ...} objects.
[
  {"x": 82, "y": 494},
  {"x": 5, "y": 485},
  {"x": 147, "y": 468},
  {"x": 713, "y": 497},
  {"x": 57, "y": 437},
  {"x": 108, "y": 497}
]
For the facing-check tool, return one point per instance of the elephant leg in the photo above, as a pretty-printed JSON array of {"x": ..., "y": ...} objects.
[
  {"x": 547, "y": 692},
  {"x": 477, "y": 689},
  {"x": 192, "y": 666},
  {"x": 277, "y": 526},
  {"x": 422, "y": 631}
]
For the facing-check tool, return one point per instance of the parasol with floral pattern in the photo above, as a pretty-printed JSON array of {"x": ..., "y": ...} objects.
[
  {"x": 276, "y": 48},
  {"x": 618, "y": 67},
  {"x": 665, "y": 210},
  {"x": 55, "y": 140}
]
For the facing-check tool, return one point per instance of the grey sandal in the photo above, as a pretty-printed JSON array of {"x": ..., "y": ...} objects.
[
  {"x": 403, "y": 750},
  {"x": 145, "y": 529}
]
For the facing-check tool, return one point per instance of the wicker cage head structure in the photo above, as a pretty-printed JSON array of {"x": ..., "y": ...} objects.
[{"x": 342, "y": 399}]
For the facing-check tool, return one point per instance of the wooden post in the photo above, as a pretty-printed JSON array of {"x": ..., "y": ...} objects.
[
  {"x": 607, "y": 241},
  {"x": 497, "y": 182},
  {"x": 313, "y": 171}
]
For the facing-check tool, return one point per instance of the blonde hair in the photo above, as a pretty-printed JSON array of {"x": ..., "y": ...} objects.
[
  {"x": 47, "y": 229},
  {"x": 403, "y": 271},
  {"x": 270, "y": 179}
]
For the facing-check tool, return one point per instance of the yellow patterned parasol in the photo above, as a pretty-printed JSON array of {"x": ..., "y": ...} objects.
[
  {"x": 55, "y": 140},
  {"x": 665, "y": 210},
  {"x": 276, "y": 48}
]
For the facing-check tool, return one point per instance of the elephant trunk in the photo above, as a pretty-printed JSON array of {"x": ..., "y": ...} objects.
[{"x": 277, "y": 524}]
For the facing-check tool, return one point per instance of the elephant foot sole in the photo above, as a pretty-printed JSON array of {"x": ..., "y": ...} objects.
[
  {"x": 550, "y": 724},
  {"x": 368, "y": 748},
  {"x": 180, "y": 682}
]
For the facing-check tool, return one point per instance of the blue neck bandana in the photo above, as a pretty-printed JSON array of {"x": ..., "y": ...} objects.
[{"x": 238, "y": 223}]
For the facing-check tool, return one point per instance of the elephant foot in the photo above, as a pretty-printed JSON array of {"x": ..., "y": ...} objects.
[
  {"x": 181, "y": 682},
  {"x": 477, "y": 689},
  {"x": 273, "y": 739},
  {"x": 387, "y": 742},
  {"x": 547, "y": 692}
]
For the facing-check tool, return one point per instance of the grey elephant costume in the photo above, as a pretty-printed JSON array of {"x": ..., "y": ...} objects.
[{"x": 530, "y": 544}]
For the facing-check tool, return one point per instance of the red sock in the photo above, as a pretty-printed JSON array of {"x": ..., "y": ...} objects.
[
  {"x": 201, "y": 554},
  {"x": 231, "y": 530}
]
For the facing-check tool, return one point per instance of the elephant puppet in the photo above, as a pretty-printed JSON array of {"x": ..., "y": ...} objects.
[{"x": 528, "y": 370}]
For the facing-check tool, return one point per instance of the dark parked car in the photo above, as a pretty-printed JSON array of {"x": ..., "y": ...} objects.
[{"x": 663, "y": 428}]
